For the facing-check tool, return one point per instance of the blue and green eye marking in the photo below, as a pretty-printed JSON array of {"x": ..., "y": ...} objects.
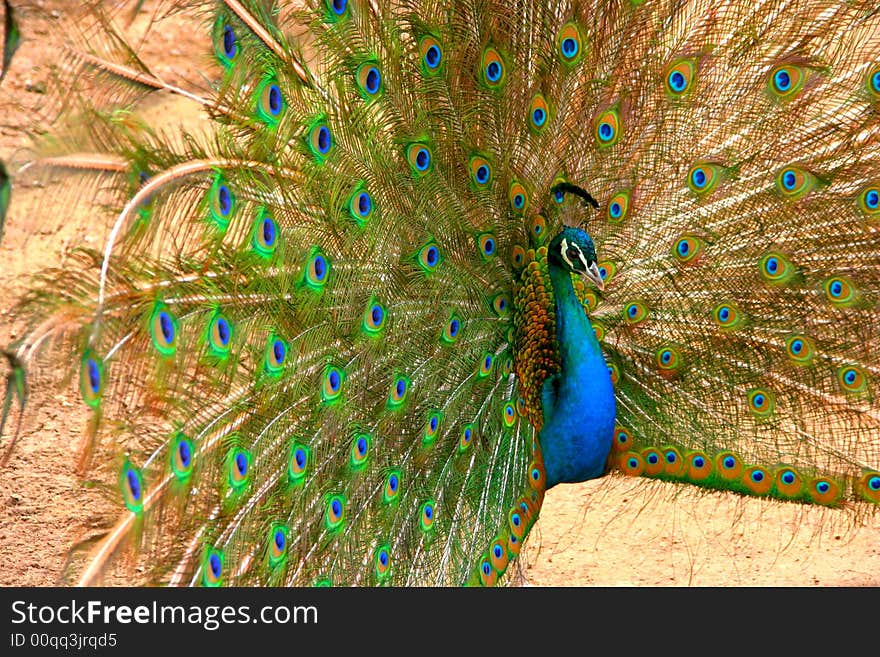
[
  {"x": 794, "y": 182},
  {"x": 399, "y": 392},
  {"x": 275, "y": 356},
  {"x": 539, "y": 113},
  {"x": 359, "y": 453},
  {"x": 221, "y": 203},
  {"x": 669, "y": 360},
  {"x": 618, "y": 207},
  {"x": 382, "y": 562},
  {"x": 492, "y": 68},
  {"x": 776, "y": 268},
  {"x": 698, "y": 466},
  {"x": 361, "y": 205},
  {"x": 319, "y": 139},
  {"x": 427, "y": 515},
  {"x": 238, "y": 468},
  {"x": 869, "y": 486},
  {"x": 486, "y": 365},
  {"x": 181, "y": 455},
  {"x": 852, "y": 378},
  {"x": 679, "y": 77},
  {"x": 757, "y": 479},
  {"x": 840, "y": 291},
  {"x": 789, "y": 482},
  {"x": 334, "y": 513},
  {"x": 728, "y": 316},
  {"x": 432, "y": 428},
  {"x": 872, "y": 81},
  {"x": 336, "y": 10},
  {"x": 480, "y": 171},
  {"x": 800, "y": 349},
  {"x": 131, "y": 484},
  {"x": 391, "y": 491},
  {"x": 728, "y": 466},
  {"x": 501, "y": 304},
  {"x": 635, "y": 312},
  {"x": 762, "y": 402},
  {"x": 375, "y": 317},
  {"x": 687, "y": 248},
  {"x": 265, "y": 234},
  {"x": 703, "y": 177},
  {"x": 219, "y": 335},
  {"x": 317, "y": 269},
  {"x": 538, "y": 229},
  {"x": 466, "y": 438},
  {"x": 786, "y": 80},
  {"x": 508, "y": 415},
  {"x": 277, "y": 540},
  {"x": 607, "y": 128},
  {"x": 213, "y": 567},
  {"x": 419, "y": 157},
  {"x": 91, "y": 378},
  {"x": 270, "y": 101},
  {"x": 333, "y": 380},
  {"x": 518, "y": 196},
  {"x": 431, "y": 53},
  {"x": 569, "y": 44},
  {"x": 429, "y": 257},
  {"x": 487, "y": 245},
  {"x": 869, "y": 200},
  {"x": 369, "y": 80},
  {"x": 297, "y": 463},
  {"x": 226, "y": 44}
]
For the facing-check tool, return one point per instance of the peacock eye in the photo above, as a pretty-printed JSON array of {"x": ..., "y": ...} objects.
[{"x": 573, "y": 253}]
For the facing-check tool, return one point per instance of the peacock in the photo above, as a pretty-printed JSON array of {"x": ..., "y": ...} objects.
[{"x": 408, "y": 265}]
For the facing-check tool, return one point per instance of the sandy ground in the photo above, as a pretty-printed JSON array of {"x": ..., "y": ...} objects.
[{"x": 611, "y": 532}]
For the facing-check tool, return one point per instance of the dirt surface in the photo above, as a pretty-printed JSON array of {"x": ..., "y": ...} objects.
[{"x": 615, "y": 531}]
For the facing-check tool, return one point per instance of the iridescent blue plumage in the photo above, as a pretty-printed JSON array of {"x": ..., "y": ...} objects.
[{"x": 578, "y": 401}]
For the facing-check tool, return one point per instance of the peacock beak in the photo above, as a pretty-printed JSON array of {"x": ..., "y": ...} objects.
[{"x": 593, "y": 274}]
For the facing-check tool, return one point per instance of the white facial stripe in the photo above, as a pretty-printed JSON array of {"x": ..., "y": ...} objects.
[
  {"x": 564, "y": 246},
  {"x": 563, "y": 251}
]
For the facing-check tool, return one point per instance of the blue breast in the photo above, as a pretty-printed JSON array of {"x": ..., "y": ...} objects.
[{"x": 578, "y": 402}]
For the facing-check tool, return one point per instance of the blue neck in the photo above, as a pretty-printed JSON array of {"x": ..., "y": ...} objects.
[{"x": 578, "y": 402}]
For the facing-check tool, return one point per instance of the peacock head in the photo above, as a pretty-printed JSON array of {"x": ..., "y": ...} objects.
[{"x": 573, "y": 250}]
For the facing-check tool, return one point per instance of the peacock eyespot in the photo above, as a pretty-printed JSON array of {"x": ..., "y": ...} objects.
[
  {"x": 677, "y": 81},
  {"x": 870, "y": 200},
  {"x": 840, "y": 291},
  {"x": 653, "y": 458},
  {"x": 334, "y": 516},
  {"x": 874, "y": 82},
  {"x": 338, "y": 7},
  {"x": 569, "y": 43},
  {"x": 320, "y": 140},
  {"x": 212, "y": 568},
  {"x": 539, "y": 111},
  {"x": 729, "y": 462},
  {"x": 181, "y": 457},
  {"x": 298, "y": 463},
  {"x": 607, "y": 130},
  {"x": 487, "y": 245},
  {"x": 493, "y": 68},
  {"x": 699, "y": 178},
  {"x": 615, "y": 210},
  {"x": 360, "y": 451},
  {"x": 786, "y": 80},
  {"x": 852, "y": 378},
  {"x": 431, "y": 53},
  {"x": 432, "y": 57},
  {"x": 270, "y": 104},
  {"x": 370, "y": 79},
  {"x": 679, "y": 77},
  {"x": 230, "y": 46}
]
